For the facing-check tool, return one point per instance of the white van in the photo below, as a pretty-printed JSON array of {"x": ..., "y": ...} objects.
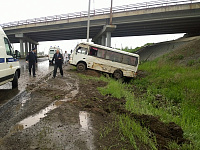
[
  {"x": 116, "y": 62},
  {"x": 52, "y": 51},
  {"x": 9, "y": 64}
]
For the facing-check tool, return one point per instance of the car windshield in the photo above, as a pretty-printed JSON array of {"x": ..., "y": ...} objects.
[{"x": 52, "y": 52}]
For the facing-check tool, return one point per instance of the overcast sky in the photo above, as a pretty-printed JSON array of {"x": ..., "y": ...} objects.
[{"x": 15, "y": 10}]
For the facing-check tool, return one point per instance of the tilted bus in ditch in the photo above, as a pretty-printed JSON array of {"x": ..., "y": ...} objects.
[{"x": 116, "y": 62}]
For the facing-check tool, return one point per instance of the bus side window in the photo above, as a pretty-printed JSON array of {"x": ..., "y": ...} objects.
[
  {"x": 109, "y": 55},
  {"x": 117, "y": 57},
  {"x": 8, "y": 47},
  {"x": 126, "y": 60},
  {"x": 101, "y": 53},
  {"x": 93, "y": 51}
]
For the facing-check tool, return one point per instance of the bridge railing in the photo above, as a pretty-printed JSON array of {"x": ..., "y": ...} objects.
[{"x": 117, "y": 9}]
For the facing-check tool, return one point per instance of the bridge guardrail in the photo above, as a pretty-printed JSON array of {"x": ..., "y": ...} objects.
[{"x": 117, "y": 9}]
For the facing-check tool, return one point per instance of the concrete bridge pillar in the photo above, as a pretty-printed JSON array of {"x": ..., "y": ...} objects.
[
  {"x": 105, "y": 35},
  {"x": 99, "y": 41},
  {"x": 26, "y": 48},
  {"x": 21, "y": 47},
  {"x": 103, "y": 40},
  {"x": 108, "y": 39},
  {"x": 29, "y": 45}
]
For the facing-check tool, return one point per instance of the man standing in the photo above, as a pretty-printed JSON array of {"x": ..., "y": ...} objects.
[
  {"x": 58, "y": 63},
  {"x": 31, "y": 58},
  {"x": 65, "y": 57}
]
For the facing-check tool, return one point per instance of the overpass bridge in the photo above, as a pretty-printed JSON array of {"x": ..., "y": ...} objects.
[{"x": 150, "y": 18}]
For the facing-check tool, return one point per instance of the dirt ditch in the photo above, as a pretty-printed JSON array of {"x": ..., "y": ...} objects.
[{"x": 90, "y": 99}]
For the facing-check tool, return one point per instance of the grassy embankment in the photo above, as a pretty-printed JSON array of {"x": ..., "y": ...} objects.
[{"x": 175, "y": 77}]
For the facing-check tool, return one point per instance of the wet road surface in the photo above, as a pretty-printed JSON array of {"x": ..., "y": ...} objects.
[
  {"x": 42, "y": 69},
  {"x": 42, "y": 118}
]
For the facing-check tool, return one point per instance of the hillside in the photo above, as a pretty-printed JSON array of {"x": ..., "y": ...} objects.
[{"x": 156, "y": 50}]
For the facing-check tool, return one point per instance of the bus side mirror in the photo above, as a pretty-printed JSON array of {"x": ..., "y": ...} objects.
[{"x": 14, "y": 56}]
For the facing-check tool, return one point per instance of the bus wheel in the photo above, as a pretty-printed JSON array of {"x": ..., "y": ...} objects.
[
  {"x": 118, "y": 74},
  {"x": 81, "y": 67},
  {"x": 15, "y": 81}
]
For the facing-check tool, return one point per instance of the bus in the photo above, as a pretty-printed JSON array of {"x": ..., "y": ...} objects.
[{"x": 97, "y": 57}]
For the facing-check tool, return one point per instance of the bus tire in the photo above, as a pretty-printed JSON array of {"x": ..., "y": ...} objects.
[
  {"x": 81, "y": 67},
  {"x": 15, "y": 80},
  {"x": 118, "y": 74}
]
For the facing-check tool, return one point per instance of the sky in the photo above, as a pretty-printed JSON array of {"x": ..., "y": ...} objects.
[{"x": 15, "y": 10}]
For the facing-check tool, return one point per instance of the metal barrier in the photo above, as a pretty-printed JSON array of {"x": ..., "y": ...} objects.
[{"x": 117, "y": 9}]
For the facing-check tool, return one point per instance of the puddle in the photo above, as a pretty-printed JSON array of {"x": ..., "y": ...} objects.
[
  {"x": 32, "y": 120},
  {"x": 84, "y": 120},
  {"x": 86, "y": 129}
]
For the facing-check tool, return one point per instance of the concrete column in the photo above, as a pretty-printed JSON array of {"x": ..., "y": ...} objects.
[
  {"x": 99, "y": 41},
  {"x": 21, "y": 47},
  {"x": 108, "y": 38},
  {"x": 36, "y": 48},
  {"x": 103, "y": 40},
  {"x": 26, "y": 48},
  {"x": 29, "y": 45},
  {"x": 32, "y": 45}
]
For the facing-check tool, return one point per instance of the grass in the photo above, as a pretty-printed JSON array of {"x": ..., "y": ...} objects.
[
  {"x": 179, "y": 86},
  {"x": 133, "y": 130},
  {"x": 180, "y": 102}
]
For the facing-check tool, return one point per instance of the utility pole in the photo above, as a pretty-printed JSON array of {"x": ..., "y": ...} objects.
[
  {"x": 88, "y": 23},
  {"x": 111, "y": 12}
]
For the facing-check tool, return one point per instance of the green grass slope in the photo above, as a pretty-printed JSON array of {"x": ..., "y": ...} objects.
[
  {"x": 168, "y": 87},
  {"x": 172, "y": 89}
]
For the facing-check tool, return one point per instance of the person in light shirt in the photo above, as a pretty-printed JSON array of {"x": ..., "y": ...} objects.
[{"x": 65, "y": 57}]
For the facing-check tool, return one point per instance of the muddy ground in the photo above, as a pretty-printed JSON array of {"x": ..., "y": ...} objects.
[{"x": 69, "y": 113}]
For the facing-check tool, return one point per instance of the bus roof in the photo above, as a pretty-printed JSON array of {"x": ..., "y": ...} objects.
[{"x": 108, "y": 48}]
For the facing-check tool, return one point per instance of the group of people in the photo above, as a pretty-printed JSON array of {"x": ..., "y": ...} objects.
[{"x": 31, "y": 59}]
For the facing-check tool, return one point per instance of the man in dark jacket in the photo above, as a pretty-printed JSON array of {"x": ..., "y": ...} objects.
[
  {"x": 31, "y": 58},
  {"x": 58, "y": 63}
]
